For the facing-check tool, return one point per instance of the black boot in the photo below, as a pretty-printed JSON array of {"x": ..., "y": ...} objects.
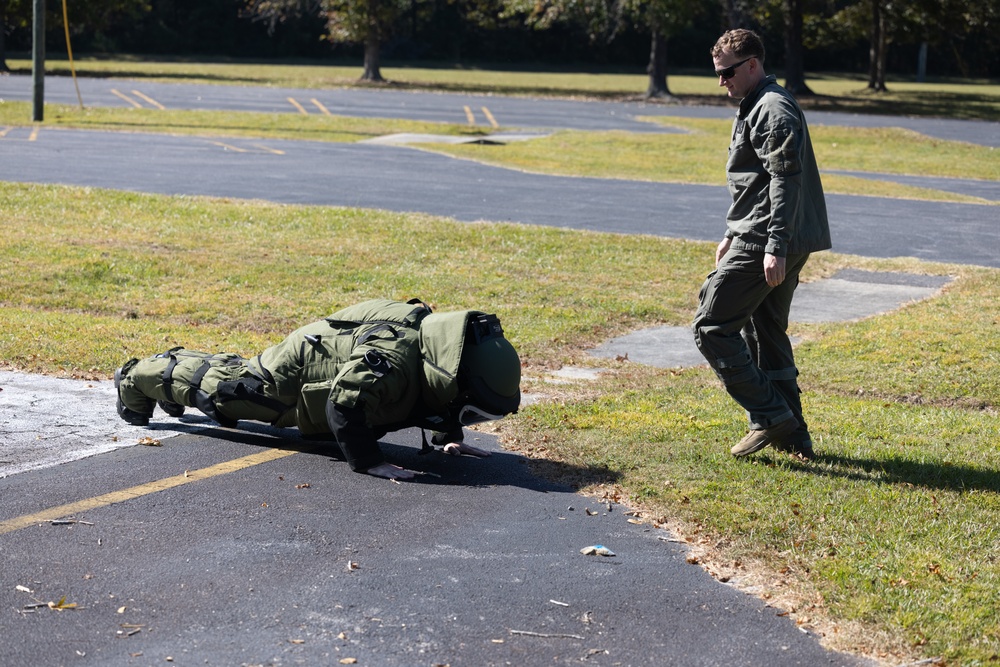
[
  {"x": 130, "y": 416},
  {"x": 172, "y": 409}
]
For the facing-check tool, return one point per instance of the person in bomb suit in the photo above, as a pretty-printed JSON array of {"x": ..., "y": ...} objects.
[{"x": 366, "y": 370}]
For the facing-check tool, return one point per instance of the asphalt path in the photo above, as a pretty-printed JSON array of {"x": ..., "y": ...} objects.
[
  {"x": 296, "y": 560},
  {"x": 188, "y": 552}
]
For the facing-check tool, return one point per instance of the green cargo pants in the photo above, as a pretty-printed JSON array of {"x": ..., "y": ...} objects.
[{"x": 741, "y": 329}]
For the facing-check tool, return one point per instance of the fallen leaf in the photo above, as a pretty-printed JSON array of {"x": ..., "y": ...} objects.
[
  {"x": 297, "y": 641},
  {"x": 351, "y": 566},
  {"x": 150, "y": 442},
  {"x": 342, "y": 635},
  {"x": 62, "y": 604},
  {"x": 348, "y": 661},
  {"x": 302, "y": 486},
  {"x": 121, "y": 610}
]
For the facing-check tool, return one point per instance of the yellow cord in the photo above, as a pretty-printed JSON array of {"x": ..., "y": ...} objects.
[{"x": 69, "y": 50}]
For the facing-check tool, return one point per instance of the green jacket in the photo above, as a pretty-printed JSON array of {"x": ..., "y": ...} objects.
[
  {"x": 368, "y": 369},
  {"x": 778, "y": 204}
]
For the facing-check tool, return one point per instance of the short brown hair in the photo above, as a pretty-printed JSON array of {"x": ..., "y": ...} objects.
[{"x": 741, "y": 43}]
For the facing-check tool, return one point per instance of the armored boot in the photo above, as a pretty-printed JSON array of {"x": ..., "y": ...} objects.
[{"x": 135, "y": 417}]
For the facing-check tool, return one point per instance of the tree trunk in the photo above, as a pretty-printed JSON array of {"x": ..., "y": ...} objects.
[
  {"x": 795, "y": 76},
  {"x": 373, "y": 46},
  {"x": 657, "y": 68},
  {"x": 3, "y": 36},
  {"x": 922, "y": 63},
  {"x": 735, "y": 15},
  {"x": 877, "y": 50}
]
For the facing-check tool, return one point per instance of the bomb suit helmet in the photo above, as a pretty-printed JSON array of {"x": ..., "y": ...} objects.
[{"x": 489, "y": 373}]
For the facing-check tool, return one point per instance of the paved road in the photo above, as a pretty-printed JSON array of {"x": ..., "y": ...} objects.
[
  {"x": 252, "y": 568},
  {"x": 248, "y": 565}
]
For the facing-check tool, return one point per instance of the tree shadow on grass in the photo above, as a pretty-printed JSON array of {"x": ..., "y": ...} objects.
[{"x": 895, "y": 470}]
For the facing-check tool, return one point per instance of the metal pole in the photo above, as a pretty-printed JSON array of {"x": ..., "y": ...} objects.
[{"x": 38, "y": 61}]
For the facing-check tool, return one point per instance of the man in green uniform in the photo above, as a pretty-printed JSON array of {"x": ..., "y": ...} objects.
[
  {"x": 778, "y": 216},
  {"x": 368, "y": 369}
]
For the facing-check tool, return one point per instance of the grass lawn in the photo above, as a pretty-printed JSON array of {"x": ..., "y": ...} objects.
[{"x": 888, "y": 545}]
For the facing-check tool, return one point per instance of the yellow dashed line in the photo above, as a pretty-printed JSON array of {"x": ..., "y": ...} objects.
[
  {"x": 230, "y": 148},
  {"x": 4, "y": 131},
  {"x": 469, "y": 115},
  {"x": 489, "y": 117},
  {"x": 70, "y": 509},
  {"x": 275, "y": 151},
  {"x": 319, "y": 105},
  {"x": 150, "y": 100},
  {"x": 126, "y": 98},
  {"x": 34, "y": 132},
  {"x": 298, "y": 106}
]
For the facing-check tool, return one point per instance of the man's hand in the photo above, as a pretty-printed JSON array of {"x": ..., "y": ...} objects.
[
  {"x": 459, "y": 448},
  {"x": 722, "y": 249},
  {"x": 390, "y": 471},
  {"x": 774, "y": 269}
]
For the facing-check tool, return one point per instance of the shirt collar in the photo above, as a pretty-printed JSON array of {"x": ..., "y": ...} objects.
[{"x": 748, "y": 102}]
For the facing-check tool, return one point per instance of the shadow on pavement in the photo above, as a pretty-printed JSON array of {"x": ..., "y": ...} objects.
[{"x": 403, "y": 448}]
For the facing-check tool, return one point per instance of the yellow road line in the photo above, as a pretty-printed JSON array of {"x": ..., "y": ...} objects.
[
  {"x": 4, "y": 131},
  {"x": 319, "y": 105},
  {"x": 106, "y": 499},
  {"x": 126, "y": 98},
  {"x": 469, "y": 115},
  {"x": 489, "y": 117},
  {"x": 150, "y": 100},
  {"x": 34, "y": 132},
  {"x": 298, "y": 106},
  {"x": 229, "y": 147},
  {"x": 275, "y": 151}
]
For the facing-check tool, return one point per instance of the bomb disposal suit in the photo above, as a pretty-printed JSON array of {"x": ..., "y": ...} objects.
[{"x": 368, "y": 369}]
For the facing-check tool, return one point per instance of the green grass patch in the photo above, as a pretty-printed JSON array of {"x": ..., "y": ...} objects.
[
  {"x": 226, "y": 123},
  {"x": 891, "y": 536},
  {"x": 697, "y": 155}
]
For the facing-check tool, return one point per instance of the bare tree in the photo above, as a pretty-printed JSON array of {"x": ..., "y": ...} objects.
[
  {"x": 878, "y": 48},
  {"x": 366, "y": 22},
  {"x": 736, "y": 14},
  {"x": 795, "y": 76},
  {"x": 663, "y": 19},
  {"x": 657, "y": 68},
  {"x": 3, "y": 36}
]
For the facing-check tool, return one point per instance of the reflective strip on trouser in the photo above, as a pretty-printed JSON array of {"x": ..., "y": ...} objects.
[{"x": 740, "y": 328}]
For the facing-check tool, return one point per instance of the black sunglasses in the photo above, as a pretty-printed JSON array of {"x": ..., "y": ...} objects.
[{"x": 730, "y": 72}]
